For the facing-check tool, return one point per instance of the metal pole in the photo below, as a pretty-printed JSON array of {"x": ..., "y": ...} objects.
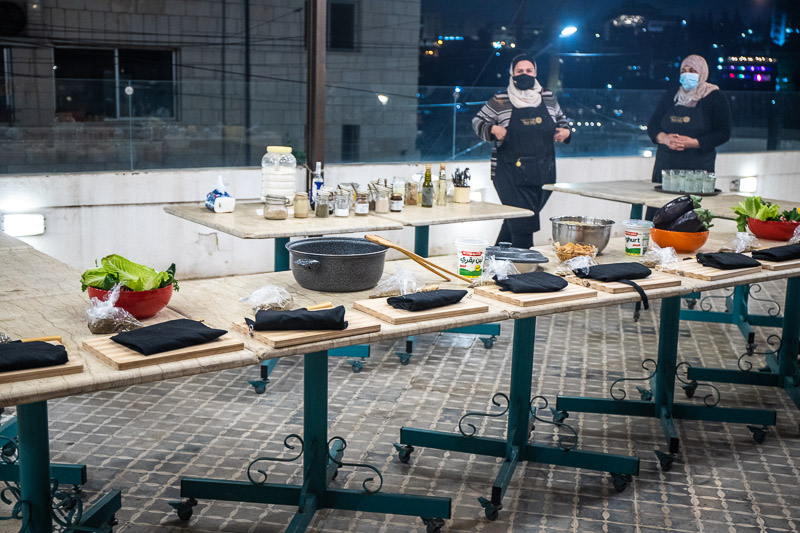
[
  {"x": 246, "y": 28},
  {"x": 455, "y": 103},
  {"x": 316, "y": 42},
  {"x": 34, "y": 468},
  {"x": 129, "y": 92}
]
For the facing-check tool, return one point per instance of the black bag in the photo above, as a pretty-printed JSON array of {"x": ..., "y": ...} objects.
[
  {"x": 420, "y": 301},
  {"x": 167, "y": 336},
  {"x": 727, "y": 260},
  {"x": 532, "y": 282},
  {"x": 621, "y": 272},
  {"x": 35, "y": 354},
  {"x": 301, "y": 319},
  {"x": 778, "y": 253}
]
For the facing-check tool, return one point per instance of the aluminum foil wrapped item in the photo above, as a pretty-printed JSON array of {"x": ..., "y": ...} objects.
[
  {"x": 656, "y": 255},
  {"x": 796, "y": 236},
  {"x": 105, "y": 318},
  {"x": 269, "y": 298},
  {"x": 743, "y": 242},
  {"x": 502, "y": 268},
  {"x": 581, "y": 262}
]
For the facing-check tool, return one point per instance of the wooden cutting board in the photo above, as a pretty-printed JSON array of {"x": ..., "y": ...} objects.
[
  {"x": 357, "y": 324},
  {"x": 569, "y": 293},
  {"x": 123, "y": 358},
  {"x": 73, "y": 366},
  {"x": 656, "y": 280},
  {"x": 692, "y": 269},
  {"x": 783, "y": 265},
  {"x": 378, "y": 308}
]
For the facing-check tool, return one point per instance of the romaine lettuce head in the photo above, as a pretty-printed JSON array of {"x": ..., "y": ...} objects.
[{"x": 116, "y": 269}]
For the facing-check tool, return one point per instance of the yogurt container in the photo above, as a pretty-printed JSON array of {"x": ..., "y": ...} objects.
[
  {"x": 637, "y": 236},
  {"x": 470, "y": 253}
]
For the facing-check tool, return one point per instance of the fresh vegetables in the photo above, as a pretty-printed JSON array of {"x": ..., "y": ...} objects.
[
  {"x": 755, "y": 207},
  {"x": 115, "y": 269},
  {"x": 683, "y": 214}
]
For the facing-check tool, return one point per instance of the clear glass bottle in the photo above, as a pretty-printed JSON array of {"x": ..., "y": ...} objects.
[
  {"x": 362, "y": 203},
  {"x": 275, "y": 207},
  {"x": 342, "y": 204},
  {"x": 278, "y": 172},
  {"x": 441, "y": 187},
  {"x": 321, "y": 204},
  {"x": 317, "y": 182},
  {"x": 426, "y": 198},
  {"x": 301, "y": 205}
]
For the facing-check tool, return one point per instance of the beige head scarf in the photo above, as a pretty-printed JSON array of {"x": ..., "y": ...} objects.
[
  {"x": 527, "y": 98},
  {"x": 690, "y": 98}
]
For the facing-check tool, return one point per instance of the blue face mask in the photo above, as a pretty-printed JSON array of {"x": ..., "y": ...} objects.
[{"x": 689, "y": 80}]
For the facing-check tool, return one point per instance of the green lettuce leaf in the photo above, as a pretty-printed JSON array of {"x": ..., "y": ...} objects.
[
  {"x": 117, "y": 269},
  {"x": 755, "y": 207}
]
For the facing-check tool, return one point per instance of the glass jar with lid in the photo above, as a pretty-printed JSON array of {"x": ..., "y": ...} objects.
[
  {"x": 341, "y": 203},
  {"x": 301, "y": 205},
  {"x": 275, "y": 207},
  {"x": 361, "y": 207},
  {"x": 278, "y": 172},
  {"x": 396, "y": 202},
  {"x": 321, "y": 200},
  {"x": 382, "y": 199}
]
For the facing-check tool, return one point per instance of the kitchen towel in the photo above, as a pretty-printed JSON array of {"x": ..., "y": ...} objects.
[
  {"x": 420, "y": 301},
  {"x": 726, "y": 260},
  {"x": 778, "y": 253},
  {"x": 166, "y": 336},
  {"x": 299, "y": 319},
  {"x": 621, "y": 272},
  {"x": 35, "y": 354},
  {"x": 532, "y": 282}
]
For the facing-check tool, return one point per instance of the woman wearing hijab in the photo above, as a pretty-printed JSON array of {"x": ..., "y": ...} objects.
[
  {"x": 690, "y": 123},
  {"x": 523, "y": 122}
]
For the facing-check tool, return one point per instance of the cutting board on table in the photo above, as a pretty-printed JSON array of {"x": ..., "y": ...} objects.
[
  {"x": 123, "y": 358},
  {"x": 73, "y": 366},
  {"x": 567, "y": 294},
  {"x": 692, "y": 269},
  {"x": 656, "y": 280},
  {"x": 378, "y": 308},
  {"x": 783, "y": 265},
  {"x": 357, "y": 324}
]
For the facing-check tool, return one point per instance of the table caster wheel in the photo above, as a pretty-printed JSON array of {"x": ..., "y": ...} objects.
[
  {"x": 404, "y": 452},
  {"x": 491, "y": 510},
  {"x": 76, "y": 489},
  {"x": 691, "y": 304},
  {"x": 184, "y": 508},
  {"x": 404, "y": 358},
  {"x": 259, "y": 385},
  {"x": 433, "y": 525},
  {"x": 665, "y": 460},
  {"x": 488, "y": 342},
  {"x": 559, "y": 416},
  {"x": 689, "y": 389},
  {"x": 759, "y": 433},
  {"x": 645, "y": 394},
  {"x": 357, "y": 366},
  {"x": 620, "y": 481}
]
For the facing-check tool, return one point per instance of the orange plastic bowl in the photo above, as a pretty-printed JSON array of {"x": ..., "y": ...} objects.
[
  {"x": 772, "y": 230},
  {"x": 141, "y": 304},
  {"x": 683, "y": 242}
]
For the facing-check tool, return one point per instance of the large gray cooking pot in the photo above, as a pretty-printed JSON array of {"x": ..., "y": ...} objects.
[{"x": 336, "y": 264}]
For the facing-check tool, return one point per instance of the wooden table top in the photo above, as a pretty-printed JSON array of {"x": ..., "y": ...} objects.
[
  {"x": 414, "y": 215},
  {"x": 642, "y": 192}
]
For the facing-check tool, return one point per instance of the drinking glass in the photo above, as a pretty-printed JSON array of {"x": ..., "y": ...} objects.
[{"x": 709, "y": 183}]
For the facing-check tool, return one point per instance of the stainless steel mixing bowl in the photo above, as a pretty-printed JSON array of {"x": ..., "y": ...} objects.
[{"x": 582, "y": 230}]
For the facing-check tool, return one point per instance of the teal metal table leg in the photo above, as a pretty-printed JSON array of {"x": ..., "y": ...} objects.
[
  {"x": 421, "y": 237},
  {"x": 636, "y": 211},
  {"x": 34, "y": 458},
  {"x": 281, "y": 254},
  {"x": 321, "y": 460},
  {"x": 515, "y": 447},
  {"x": 736, "y": 312},
  {"x": 664, "y": 380}
]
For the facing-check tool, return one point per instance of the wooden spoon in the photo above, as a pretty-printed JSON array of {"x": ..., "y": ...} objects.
[{"x": 433, "y": 267}]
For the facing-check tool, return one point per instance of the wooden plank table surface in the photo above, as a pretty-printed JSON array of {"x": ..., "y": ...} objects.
[{"x": 416, "y": 216}]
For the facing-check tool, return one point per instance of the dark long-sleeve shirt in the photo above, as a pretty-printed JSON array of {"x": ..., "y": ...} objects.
[{"x": 716, "y": 112}]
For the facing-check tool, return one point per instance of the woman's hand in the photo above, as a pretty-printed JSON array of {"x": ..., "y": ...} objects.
[
  {"x": 499, "y": 132},
  {"x": 671, "y": 141},
  {"x": 688, "y": 142},
  {"x": 561, "y": 135}
]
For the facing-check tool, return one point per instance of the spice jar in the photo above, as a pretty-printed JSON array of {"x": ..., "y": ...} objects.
[
  {"x": 396, "y": 202},
  {"x": 321, "y": 200},
  {"x": 275, "y": 207},
  {"x": 412, "y": 192},
  {"x": 342, "y": 204},
  {"x": 362, "y": 203},
  {"x": 301, "y": 205},
  {"x": 382, "y": 200}
]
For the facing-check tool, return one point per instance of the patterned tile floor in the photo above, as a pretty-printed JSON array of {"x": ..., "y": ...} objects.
[{"x": 143, "y": 439}]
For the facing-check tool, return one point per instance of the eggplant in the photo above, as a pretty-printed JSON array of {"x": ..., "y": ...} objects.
[
  {"x": 675, "y": 209},
  {"x": 694, "y": 221}
]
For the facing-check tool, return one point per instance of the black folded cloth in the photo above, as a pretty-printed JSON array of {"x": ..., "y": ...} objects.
[
  {"x": 18, "y": 355},
  {"x": 420, "y": 301},
  {"x": 621, "y": 272},
  {"x": 531, "y": 282},
  {"x": 302, "y": 319},
  {"x": 778, "y": 253},
  {"x": 167, "y": 336},
  {"x": 727, "y": 260}
]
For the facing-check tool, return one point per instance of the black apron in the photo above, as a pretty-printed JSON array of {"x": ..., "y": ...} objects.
[
  {"x": 691, "y": 122},
  {"x": 526, "y": 160}
]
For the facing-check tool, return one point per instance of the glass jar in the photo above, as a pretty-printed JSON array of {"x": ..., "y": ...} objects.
[
  {"x": 362, "y": 203},
  {"x": 341, "y": 204},
  {"x": 275, "y": 207},
  {"x": 278, "y": 172},
  {"x": 396, "y": 202},
  {"x": 412, "y": 192},
  {"x": 382, "y": 200},
  {"x": 301, "y": 205},
  {"x": 321, "y": 201}
]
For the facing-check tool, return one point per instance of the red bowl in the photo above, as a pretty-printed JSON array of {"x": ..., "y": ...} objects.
[
  {"x": 683, "y": 242},
  {"x": 772, "y": 230},
  {"x": 141, "y": 304}
]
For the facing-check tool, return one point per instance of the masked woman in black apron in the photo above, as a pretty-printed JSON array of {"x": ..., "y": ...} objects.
[
  {"x": 523, "y": 122},
  {"x": 689, "y": 123}
]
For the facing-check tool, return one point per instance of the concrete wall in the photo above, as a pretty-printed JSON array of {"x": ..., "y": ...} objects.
[{"x": 94, "y": 214}]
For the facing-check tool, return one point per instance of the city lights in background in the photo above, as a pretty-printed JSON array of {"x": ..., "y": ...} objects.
[
  {"x": 568, "y": 30},
  {"x": 22, "y": 225},
  {"x": 383, "y": 99}
]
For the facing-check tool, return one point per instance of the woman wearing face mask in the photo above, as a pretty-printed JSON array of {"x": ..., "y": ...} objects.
[
  {"x": 690, "y": 123},
  {"x": 523, "y": 123}
]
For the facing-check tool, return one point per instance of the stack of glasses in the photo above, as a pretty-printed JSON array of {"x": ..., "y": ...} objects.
[{"x": 688, "y": 181}]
